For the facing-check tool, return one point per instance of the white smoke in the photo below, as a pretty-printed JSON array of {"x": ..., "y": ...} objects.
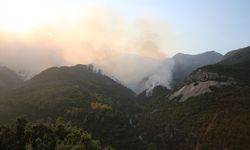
[
  {"x": 125, "y": 50},
  {"x": 159, "y": 75},
  {"x": 162, "y": 75}
]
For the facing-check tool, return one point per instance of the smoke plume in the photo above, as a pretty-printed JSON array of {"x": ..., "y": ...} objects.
[{"x": 128, "y": 50}]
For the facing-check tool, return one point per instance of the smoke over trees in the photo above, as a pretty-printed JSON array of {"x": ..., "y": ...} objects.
[{"x": 125, "y": 49}]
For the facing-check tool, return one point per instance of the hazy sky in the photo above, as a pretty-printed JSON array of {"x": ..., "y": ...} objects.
[
  {"x": 219, "y": 25},
  {"x": 128, "y": 39},
  {"x": 197, "y": 25}
]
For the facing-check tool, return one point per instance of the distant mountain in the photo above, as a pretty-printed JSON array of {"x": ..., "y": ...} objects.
[
  {"x": 232, "y": 70},
  {"x": 185, "y": 64},
  {"x": 8, "y": 79},
  {"x": 236, "y": 56},
  {"x": 235, "y": 64},
  {"x": 174, "y": 70}
]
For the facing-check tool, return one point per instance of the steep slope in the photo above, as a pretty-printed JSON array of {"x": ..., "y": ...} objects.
[
  {"x": 213, "y": 121},
  {"x": 235, "y": 64},
  {"x": 185, "y": 64},
  {"x": 210, "y": 110},
  {"x": 233, "y": 70},
  {"x": 8, "y": 79},
  {"x": 59, "y": 89},
  {"x": 236, "y": 56},
  {"x": 148, "y": 98},
  {"x": 86, "y": 78},
  {"x": 81, "y": 95},
  {"x": 173, "y": 70}
]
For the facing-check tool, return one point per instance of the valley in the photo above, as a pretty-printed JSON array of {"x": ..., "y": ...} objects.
[{"x": 206, "y": 108}]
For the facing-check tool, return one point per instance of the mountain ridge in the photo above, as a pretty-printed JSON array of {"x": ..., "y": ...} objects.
[
  {"x": 9, "y": 79},
  {"x": 185, "y": 63}
]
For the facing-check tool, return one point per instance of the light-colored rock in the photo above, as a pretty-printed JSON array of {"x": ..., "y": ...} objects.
[{"x": 195, "y": 89}]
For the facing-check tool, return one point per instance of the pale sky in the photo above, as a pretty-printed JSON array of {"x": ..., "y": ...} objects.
[
  {"x": 198, "y": 26},
  {"x": 219, "y": 25},
  {"x": 126, "y": 39}
]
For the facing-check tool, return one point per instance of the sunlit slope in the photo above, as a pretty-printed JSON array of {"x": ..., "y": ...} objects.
[
  {"x": 88, "y": 98},
  {"x": 59, "y": 89}
]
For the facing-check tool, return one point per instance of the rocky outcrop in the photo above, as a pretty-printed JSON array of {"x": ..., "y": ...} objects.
[
  {"x": 196, "y": 88},
  {"x": 201, "y": 82},
  {"x": 185, "y": 64},
  {"x": 203, "y": 75}
]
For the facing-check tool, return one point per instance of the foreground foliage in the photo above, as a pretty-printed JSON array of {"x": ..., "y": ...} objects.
[
  {"x": 46, "y": 136},
  {"x": 89, "y": 99}
]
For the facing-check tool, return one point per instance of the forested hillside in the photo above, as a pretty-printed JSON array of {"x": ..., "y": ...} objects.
[
  {"x": 215, "y": 116},
  {"x": 47, "y": 135},
  {"x": 89, "y": 99}
]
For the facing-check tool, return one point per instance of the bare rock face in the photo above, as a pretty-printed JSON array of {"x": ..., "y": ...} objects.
[
  {"x": 196, "y": 88},
  {"x": 201, "y": 82}
]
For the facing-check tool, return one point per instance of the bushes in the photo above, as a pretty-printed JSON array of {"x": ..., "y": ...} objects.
[
  {"x": 100, "y": 106},
  {"x": 46, "y": 136},
  {"x": 216, "y": 120}
]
